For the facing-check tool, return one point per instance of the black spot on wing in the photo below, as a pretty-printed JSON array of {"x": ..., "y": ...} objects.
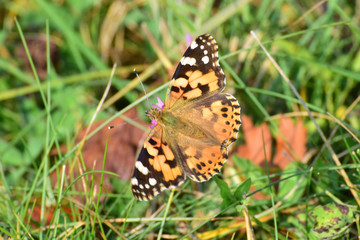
[
  {"x": 175, "y": 89},
  {"x": 152, "y": 141},
  {"x": 171, "y": 163},
  {"x": 204, "y": 88}
]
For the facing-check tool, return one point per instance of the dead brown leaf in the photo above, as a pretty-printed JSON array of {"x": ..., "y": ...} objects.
[
  {"x": 122, "y": 147},
  {"x": 37, "y": 48},
  {"x": 292, "y": 145},
  {"x": 120, "y": 156},
  {"x": 255, "y": 137},
  {"x": 35, "y": 214},
  {"x": 290, "y": 142}
]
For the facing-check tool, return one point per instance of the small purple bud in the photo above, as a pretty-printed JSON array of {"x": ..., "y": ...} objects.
[{"x": 188, "y": 38}]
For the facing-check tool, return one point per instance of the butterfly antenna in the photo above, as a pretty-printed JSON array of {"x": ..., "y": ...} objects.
[
  {"x": 127, "y": 121},
  {"x": 125, "y": 118},
  {"x": 117, "y": 125},
  {"x": 142, "y": 87}
]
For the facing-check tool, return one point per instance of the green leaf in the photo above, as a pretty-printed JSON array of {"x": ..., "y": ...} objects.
[
  {"x": 244, "y": 187},
  {"x": 10, "y": 155},
  {"x": 331, "y": 221},
  {"x": 225, "y": 192},
  {"x": 34, "y": 147},
  {"x": 253, "y": 171}
]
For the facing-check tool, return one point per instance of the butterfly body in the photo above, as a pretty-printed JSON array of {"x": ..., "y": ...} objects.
[{"x": 194, "y": 128}]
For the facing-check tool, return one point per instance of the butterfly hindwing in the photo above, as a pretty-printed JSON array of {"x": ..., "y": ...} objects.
[
  {"x": 218, "y": 120},
  {"x": 156, "y": 168}
]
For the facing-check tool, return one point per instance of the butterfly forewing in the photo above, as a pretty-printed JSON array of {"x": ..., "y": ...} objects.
[{"x": 198, "y": 73}]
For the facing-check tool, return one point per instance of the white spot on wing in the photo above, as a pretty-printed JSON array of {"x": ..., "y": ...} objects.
[
  {"x": 192, "y": 61},
  {"x": 134, "y": 181},
  {"x": 193, "y": 45},
  {"x": 147, "y": 186},
  {"x": 205, "y": 52},
  {"x": 182, "y": 60},
  {"x": 205, "y": 60},
  {"x": 222, "y": 72},
  {"x": 139, "y": 166},
  {"x": 152, "y": 181},
  {"x": 188, "y": 60},
  {"x": 202, "y": 46}
]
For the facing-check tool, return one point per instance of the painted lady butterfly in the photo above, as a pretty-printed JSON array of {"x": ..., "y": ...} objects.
[{"x": 193, "y": 129}]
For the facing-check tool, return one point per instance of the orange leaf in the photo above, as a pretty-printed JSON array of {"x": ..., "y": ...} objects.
[
  {"x": 120, "y": 156},
  {"x": 255, "y": 137},
  {"x": 293, "y": 145}
]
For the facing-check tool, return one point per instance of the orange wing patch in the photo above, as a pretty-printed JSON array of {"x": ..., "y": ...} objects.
[
  {"x": 205, "y": 163},
  {"x": 164, "y": 162},
  {"x": 228, "y": 123}
]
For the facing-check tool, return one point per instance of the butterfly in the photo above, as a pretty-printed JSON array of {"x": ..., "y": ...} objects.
[{"x": 192, "y": 129}]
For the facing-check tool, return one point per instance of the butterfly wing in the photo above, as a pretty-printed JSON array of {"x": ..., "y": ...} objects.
[
  {"x": 156, "y": 168},
  {"x": 203, "y": 152},
  {"x": 198, "y": 74}
]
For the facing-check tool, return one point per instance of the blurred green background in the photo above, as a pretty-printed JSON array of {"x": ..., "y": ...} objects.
[{"x": 51, "y": 86}]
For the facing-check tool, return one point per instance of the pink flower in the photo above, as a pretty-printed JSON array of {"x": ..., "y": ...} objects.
[{"x": 159, "y": 105}]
